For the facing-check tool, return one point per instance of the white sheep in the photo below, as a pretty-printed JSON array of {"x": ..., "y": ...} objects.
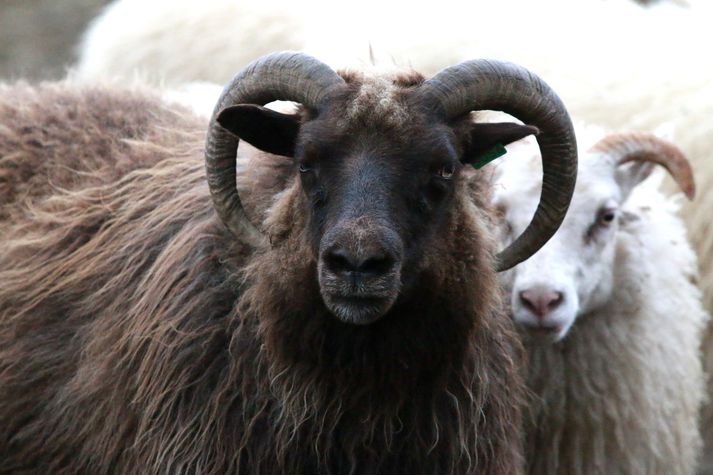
[{"x": 611, "y": 318}]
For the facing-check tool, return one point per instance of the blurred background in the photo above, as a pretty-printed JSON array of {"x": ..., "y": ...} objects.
[{"x": 38, "y": 38}]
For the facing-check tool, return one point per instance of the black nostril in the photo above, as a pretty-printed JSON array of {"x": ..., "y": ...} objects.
[
  {"x": 376, "y": 265},
  {"x": 338, "y": 261},
  {"x": 541, "y": 301},
  {"x": 556, "y": 300},
  {"x": 525, "y": 300}
]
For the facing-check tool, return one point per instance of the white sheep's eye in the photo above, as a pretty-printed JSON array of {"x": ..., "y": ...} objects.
[
  {"x": 305, "y": 168},
  {"x": 606, "y": 216},
  {"x": 446, "y": 172}
]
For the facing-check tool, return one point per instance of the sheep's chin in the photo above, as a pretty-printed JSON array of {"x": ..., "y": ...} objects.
[
  {"x": 544, "y": 334},
  {"x": 357, "y": 310}
]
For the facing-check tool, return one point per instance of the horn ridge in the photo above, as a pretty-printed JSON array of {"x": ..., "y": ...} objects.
[
  {"x": 289, "y": 76},
  {"x": 495, "y": 85}
]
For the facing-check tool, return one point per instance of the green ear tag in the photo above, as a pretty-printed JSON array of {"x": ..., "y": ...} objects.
[{"x": 495, "y": 152}]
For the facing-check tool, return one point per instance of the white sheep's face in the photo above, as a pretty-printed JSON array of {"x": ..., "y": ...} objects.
[{"x": 573, "y": 273}]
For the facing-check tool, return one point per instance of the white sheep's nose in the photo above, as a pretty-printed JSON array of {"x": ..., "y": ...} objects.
[{"x": 540, "y": 301}]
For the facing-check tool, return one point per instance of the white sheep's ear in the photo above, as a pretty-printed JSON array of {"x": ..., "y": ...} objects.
[
  {"x": 265, "y": 129},
  {"x": 629, "y": 175}
]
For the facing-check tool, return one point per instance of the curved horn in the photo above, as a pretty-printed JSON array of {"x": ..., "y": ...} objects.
[
  {"x": 285, "y": 76},
  {"x": 492, "y": 85},
  {"x": 642, "y": 146}
]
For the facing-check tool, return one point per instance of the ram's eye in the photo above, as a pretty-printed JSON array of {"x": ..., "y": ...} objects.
[
  {"x": 304, "y": 168},
  {"x": 606, "y": 216},
  {"x": 446, "y": 171}
]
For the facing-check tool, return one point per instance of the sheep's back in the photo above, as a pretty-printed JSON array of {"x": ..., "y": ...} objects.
[{"x": 63, "y": 136}]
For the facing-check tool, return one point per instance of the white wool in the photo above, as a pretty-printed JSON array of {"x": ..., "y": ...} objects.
[
  {"x": 177, "y": 41},
  {"x": 621, "y": 391},
  {"x": 200, "y": 97}
]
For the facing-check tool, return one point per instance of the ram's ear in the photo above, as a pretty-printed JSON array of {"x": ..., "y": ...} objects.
[
  {"x": 270, "y": 131},
  {"x": 483, "y": 138},
  {"x": 629, "y": 174}
]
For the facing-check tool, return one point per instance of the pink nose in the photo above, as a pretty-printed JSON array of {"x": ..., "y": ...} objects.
[{"x": 541, "y": 302}]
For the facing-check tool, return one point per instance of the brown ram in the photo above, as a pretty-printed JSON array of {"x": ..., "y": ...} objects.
[{"x": 143, "y": 330}]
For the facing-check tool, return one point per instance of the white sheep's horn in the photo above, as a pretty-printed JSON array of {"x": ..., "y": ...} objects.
[{"x": 646, "y": 147}]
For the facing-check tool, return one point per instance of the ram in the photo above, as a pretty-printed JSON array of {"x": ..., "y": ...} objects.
[
  {"x": 611, "y": 319},
  {"x": 358, "y": 328}
]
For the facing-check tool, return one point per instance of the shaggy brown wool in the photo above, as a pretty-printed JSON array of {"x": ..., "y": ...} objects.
[
  {"x": 65, "y": 137},
  {"x": 136, "y": 335}
]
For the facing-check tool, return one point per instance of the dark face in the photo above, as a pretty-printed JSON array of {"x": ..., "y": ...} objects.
[
  {"x": 374, "y": 203},
  {"x": 379, "y": 179}
]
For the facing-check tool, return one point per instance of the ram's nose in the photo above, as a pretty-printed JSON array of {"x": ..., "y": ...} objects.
[
  {"x": 359, "y": 264},
  {"x": 360, "y": 270}
]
